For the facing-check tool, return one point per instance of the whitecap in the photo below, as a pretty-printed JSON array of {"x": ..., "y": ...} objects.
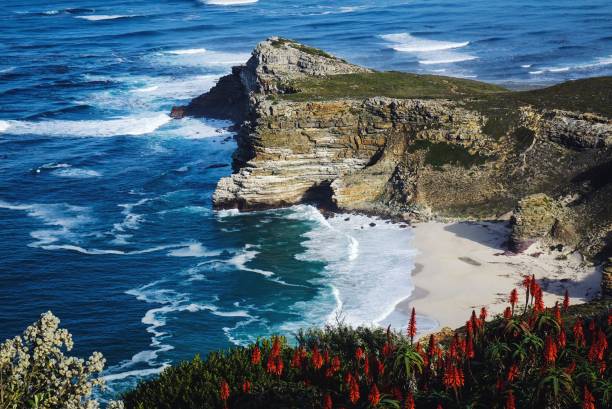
[
  {"x": 405, "y": 42},
  {"x": 447, "y": 58},
  {"x": 125, "y": 126},
  {"x": 139, "y": 373},
  {"x": 76, "y": 173},
  {"x": 203, "y": 58},
  {"x": 103, "y": 17},
  {"x": 194, "y": 250},
  {"x": 188, "y": 51},
  {"x": 244, "y": 256},
  {"x": 228, "y": 2}
]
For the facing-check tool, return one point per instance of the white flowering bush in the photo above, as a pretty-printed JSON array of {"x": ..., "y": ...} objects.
[{"x": 35, "y": 373}]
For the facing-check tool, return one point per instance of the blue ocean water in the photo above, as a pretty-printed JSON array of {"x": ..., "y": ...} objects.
[{"x": 105, "y": 203}]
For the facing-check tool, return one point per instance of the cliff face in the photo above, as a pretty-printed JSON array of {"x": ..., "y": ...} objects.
[{"x": 315, "y": 128}]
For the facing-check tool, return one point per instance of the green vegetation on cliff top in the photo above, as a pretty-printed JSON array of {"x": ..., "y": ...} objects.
[
  {"x": 385, "y": 84},
  {"x": 585, "y": 95}
]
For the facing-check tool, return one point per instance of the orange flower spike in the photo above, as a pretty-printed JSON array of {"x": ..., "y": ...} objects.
[
  {"x": 279, "y": 366},
  {"x": 359, "y": 354},
  {"x": 276, "y": 347},
  {"x": 550, "y": 350},
  {"x": 296, "y": 359},
  {"x": 589, "y": 399},
  {"x": 507, "y": 313},
  {"x": 353, "y": 390},
  {"x": 566, "y": 300},
  {"x": 374, "y": 396},
  {"x": 512, "y": 373},
  {"x": 409, "y": 401},
  {"x": 439, "y": 406},
  {"x": 513, "y": 298},
  {"x": 483, "y": 315},
  {"x": 431, "y": 347},
  {"x": 246, "y": 386},
  {"x": 316, "y": 359},
  {"x": 366, "y": 367},
  {"x": 327, "y": 401},
  {"x": 510, "y": 401},
  {"x": 256, "y": 355},
  {"x": 335, "y": 364},
  {"x": 224, "y": 391},
  {"x": 578, "y": 331},
  {"x": 562, "y": 338},
  {"x": 412, "y": 325}
]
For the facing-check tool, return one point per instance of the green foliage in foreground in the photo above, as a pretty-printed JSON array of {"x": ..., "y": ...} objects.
[{"x": 531, "y": 357}]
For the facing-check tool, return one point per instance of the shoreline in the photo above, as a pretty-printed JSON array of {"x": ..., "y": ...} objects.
[{"x": 461, "y": 266}]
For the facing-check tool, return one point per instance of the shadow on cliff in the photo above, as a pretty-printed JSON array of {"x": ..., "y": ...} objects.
[{"x": 493, "y": 234}]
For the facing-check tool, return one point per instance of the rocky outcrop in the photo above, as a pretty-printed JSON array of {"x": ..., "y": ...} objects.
[{"x": 316, "y": 128}]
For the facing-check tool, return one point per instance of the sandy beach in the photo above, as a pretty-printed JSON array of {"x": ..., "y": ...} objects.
[{"x": 462, "y": 266}]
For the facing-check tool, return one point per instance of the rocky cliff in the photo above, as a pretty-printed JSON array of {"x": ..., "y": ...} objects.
[{"x": 316, "y": 128}]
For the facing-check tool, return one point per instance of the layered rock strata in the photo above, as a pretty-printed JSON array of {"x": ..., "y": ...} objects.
[{"x": 315, "y": 128}]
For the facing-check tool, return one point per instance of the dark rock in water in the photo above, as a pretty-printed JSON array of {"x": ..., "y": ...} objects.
[
  {"x": 217, "y": 165},
  {"x": 177, "y": 112},
  {"x": 372, "y": 224},
  {"x": 347, "y": 219}
]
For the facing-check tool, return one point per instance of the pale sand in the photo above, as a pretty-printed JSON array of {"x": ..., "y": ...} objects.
[{"x": 460, "y": 268}]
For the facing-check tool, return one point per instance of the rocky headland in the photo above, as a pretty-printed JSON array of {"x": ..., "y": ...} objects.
[{"x": 315, "y": 128}]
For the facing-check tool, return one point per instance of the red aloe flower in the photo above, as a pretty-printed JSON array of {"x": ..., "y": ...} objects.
[
  {"x": 409, "y": 401},
  {"x": 386, "y": 350},
  {"x": 366, "y": 367},
  {"x": 512, "y": 373},
  {"x": 533, "y": 285},
  {"x": 412, "y": 326},
  {"x": 598, "y": 347},
  {"x": 316, "y": 359},
  {"x": 513, "y": 298},
  {"x": 539, "y": 299},
  {"x": 566, "y": 300},
  {"x": 246, "y": 386},
  {"x": 276, "y": 347},
  {"x": 439, "y": 406},
  {"x": 279, "y": 366},
  {"x": 453, "y": 376},
  {"x": 475, "y": 321},
  {"x": 483, "y": 315},
  {"x": 499, "y": 385},
  {"x": 374, "y": 396},
  {"x": 224, "y": 391},
  {"x": 256, "y": 355},
  {"x": 359, "y": 354},
  {"x": 327, "y": 402},
  {"x": 510, "y": 401},
  {"x": 335, "y": 364},
  {"x": 380, "y": 367},
  {"x": 571, "y": 368},
  {"x": 578, "y": 331},
  {"x": 562, "y": 338},
  {"x": 589, "y": 399},
  {"x": 397, "y": 393},
  {"x": 550, "y": 350},
  {"x": 326, "y": 356},
  {"x": 431, "y": 347},
  {"x": 507, "y": 313},
  {"x": 296, "y": 359},
  {"x": 469, "y": 348},
  {"x": 353, "y": 390}
]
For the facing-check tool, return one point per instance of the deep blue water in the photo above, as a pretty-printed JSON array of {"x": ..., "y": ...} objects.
[{"x": 105, "y": 204}]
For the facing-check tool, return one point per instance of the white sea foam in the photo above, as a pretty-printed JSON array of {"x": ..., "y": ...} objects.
[
  {"x": 427, "y": 51},
  {"x": 76, "y": 173},
  {"x": 4, "y": 125},
  {"x": 594, "y": 65},
  {"x": 103, "y": 17},
  {"x": 244, "y": 256},
  {"x": 194, "y": 250},
  {"x": 367, "y": 269},
  {"x": 405, "y": 42},
  {"x": 202, "y": 58},
  {"x": 188, "y": 51},
  {"x": 228, "y": 2},
  {"x": 126, "y": 126}
]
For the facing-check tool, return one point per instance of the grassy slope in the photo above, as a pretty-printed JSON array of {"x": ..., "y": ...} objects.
[{"x": 586, "y": 95}]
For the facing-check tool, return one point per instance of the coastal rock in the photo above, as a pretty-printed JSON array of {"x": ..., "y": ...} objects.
[
  {"x": 317, "y": 129},
  {"x": 538, "y": 217},
  {"x": 606, "y": 281}
]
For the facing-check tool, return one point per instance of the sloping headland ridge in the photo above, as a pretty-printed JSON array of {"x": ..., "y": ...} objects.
[{"x": 315, "y": 128}]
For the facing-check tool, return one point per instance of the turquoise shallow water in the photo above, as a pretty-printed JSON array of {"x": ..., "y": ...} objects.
[{"x": 105, "y": 204}]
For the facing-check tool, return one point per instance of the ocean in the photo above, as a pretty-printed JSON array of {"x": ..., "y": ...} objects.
[{"x": 105, "y": 202}]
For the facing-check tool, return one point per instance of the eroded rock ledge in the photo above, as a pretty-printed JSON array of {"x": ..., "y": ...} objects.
[{"x": 316, "y": 128}]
